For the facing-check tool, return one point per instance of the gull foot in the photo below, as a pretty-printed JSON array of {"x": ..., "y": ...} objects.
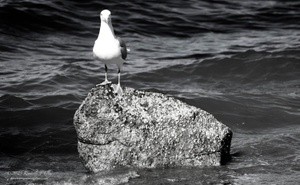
[
  {"x": 105, "y": 82},
  {"x": 118, "y": 89}
]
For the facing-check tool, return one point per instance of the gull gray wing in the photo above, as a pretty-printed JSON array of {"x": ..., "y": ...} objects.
[{"x": 123, "y": 48}]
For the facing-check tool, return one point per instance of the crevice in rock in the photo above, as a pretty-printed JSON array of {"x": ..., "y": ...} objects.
[
  {"x": 225, "y": 148},
  {"x": 87, "y": 141},
  {"x": 90, "y": 142}
]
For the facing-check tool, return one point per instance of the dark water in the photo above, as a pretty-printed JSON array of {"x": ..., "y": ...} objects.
[{"x": 239, "y": 60}]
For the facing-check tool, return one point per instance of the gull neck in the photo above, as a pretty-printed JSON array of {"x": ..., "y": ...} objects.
[{"x": 106, "y": 31}]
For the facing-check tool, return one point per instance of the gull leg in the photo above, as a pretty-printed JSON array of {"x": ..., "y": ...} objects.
[
  {"x": 118, "y": 88},
  {"x": 105, "y": 81}
]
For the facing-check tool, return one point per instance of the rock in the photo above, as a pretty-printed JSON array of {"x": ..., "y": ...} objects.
[{"x": 147, "y": 130}]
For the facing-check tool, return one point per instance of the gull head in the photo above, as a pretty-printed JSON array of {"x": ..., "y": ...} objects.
[{"x": 105, "y": 16}]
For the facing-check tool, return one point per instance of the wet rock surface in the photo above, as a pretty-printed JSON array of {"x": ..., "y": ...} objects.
[{"x": 147, "y": 130}]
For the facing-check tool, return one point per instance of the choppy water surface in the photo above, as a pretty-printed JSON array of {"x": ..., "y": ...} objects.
[{"x": 238, "y": 60}]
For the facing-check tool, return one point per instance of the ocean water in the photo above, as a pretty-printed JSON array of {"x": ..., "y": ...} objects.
[{"x": 238, "y": 60}]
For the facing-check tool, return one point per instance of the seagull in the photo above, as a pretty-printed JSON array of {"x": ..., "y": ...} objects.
[{"x": 110, "y": 49}]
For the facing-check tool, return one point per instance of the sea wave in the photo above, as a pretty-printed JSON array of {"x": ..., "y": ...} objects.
[
  {"x": 246, "y": 68},
  {"x": 178, "y": 19}
]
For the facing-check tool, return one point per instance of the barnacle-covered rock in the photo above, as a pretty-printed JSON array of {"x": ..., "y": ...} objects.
[{"x": 146, "y": 129}]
